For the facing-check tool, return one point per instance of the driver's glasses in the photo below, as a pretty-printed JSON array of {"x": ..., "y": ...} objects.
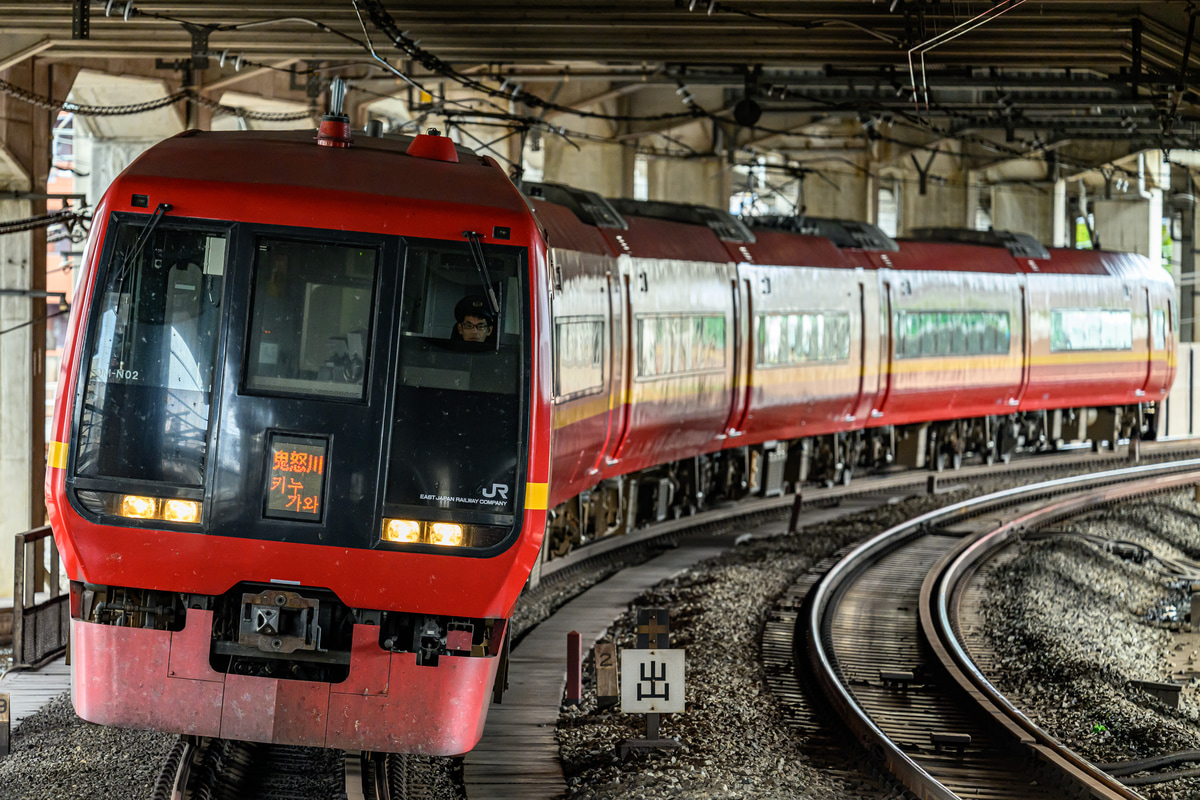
[{"x": 475, "y": 326}]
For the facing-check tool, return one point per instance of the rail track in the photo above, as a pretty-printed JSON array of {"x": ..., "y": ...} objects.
[
  {"x": 221, "y": 769},
  {"x": 216, "y": 769},
  {"x": 880, "y": 632}
]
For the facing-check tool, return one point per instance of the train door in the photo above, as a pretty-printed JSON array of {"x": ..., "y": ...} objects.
[
  {"x": 1150, "y": 342},
  {"x": 862, "y": 351},
  {"x": 739, "y": 384},
  {"x": 868, "y": 330},
  {"x": 621, "y": 387},
  {"x": 303, "y": 411},
  {"x": 886, "y": 355},
  {"x": 1025, "y": 347},
  {"x": 618, "y": 372}
]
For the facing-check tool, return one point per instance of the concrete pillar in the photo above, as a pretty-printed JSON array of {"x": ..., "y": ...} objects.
[
  {"x": 1187, "y": 270},
  {"x": 1125, "y": 225},
  {"x": 598, "y": 167},
  {"x": 1060, "y": 214},
  {"x": 942, "y": 206},
  {"x": 971, "y": 211},
  {"x": 20, "y": 374},
  {"x": 24, "y": 166},
  {"x": 701, "y": 181},
  {"x": 872, "y": 199},
  {"x": 1135, "y": 224},
  {"x": 102, "y": 160},
  {"x": 628, "y": 168},
  {"x": 840, "y": 195},
  {"x": 16, "y": 395},
  {"x": 1024, "y": 209}
]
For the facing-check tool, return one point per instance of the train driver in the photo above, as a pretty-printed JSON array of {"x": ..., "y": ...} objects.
[{"x": 475, "y": 322}]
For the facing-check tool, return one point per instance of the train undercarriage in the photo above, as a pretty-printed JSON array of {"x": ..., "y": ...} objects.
[{"x": 681, "y": 488}]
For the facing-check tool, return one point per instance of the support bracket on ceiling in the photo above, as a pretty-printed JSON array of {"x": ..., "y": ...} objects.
[
  {"x": 81, "y": 19},
  {"x": 923, "y": 174}
]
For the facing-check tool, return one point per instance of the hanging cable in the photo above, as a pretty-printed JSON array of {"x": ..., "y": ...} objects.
[
  {"x": 382, "y": 20},
  {"x": 188, "y": 95},
  {"x": 27, "y": 323},
  {"x": 66, "y": 217}
]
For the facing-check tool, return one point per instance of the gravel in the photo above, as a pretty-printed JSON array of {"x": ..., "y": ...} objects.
[
  {"x": 56, "y": 756},
  {"x": 1073, "y": 624},
  {"x": 736, "y": 741}
]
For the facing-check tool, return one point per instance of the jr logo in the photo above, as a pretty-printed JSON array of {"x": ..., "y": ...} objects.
[{"x": 497, "y": 489}]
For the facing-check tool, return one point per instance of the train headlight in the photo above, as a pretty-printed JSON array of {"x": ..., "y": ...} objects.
[
  {"x": 138, "y": 507},
  {"x": 448, "y": 534},
  {"x": 181, "y": 511},
  {"x": 403, "y": 531}
]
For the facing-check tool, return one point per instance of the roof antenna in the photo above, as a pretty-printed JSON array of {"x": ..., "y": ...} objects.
[{"x": 335, "y": 126}]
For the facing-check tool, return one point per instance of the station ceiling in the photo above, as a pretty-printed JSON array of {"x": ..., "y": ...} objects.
[{"x": 1032, "y": 74}]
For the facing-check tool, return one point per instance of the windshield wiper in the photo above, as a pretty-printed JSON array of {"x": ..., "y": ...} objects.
[
  {"x": 481, "y": 264},
  {"x": 140, "y": 242}
]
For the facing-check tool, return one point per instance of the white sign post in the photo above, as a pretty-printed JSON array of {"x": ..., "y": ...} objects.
[{"x": 651, "y": 684}]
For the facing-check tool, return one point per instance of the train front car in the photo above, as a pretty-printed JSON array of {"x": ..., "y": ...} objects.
[{"x": 291, "y": 476}]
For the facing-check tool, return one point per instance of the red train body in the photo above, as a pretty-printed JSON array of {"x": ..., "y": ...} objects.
[{"x": 295, "y": 507}]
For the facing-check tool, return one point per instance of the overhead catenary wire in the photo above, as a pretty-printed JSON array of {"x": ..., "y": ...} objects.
[
  {"x": 950, "y": 35},
  {"x": 383, "y": 21}
]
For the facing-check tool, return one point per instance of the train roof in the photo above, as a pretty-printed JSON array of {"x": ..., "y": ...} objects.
[
  {"x": 724, "y": 225},
  {"x": 1020, "y": 245},
  {"x": 371, "y": 165},
  {"x": 843, "y": 233},
  {"x": 588, "y": 207},
  {"x": 583, "y": 220}
]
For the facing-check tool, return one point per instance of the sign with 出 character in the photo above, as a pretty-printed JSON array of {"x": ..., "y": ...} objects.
[
  {"x": 296, "y": 477},
  {"x": 652, "y": 681}
]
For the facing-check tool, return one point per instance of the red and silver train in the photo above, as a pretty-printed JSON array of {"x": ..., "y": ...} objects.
[{"x": 327, "y": 402}]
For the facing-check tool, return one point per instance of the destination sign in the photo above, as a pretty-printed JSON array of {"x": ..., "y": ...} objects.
[{"x": 296, "y": 477}]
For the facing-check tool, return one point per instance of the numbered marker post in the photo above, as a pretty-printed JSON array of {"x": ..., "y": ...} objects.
[
  {"x": 605, "y": 656},
  {"x": 4, "y": 706}
]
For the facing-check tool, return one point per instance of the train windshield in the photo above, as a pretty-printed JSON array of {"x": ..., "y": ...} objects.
[
  {"x": 149, "y": 384},
  {"x": 310, "y": 332},
  {"x": 457, "y": 421}
]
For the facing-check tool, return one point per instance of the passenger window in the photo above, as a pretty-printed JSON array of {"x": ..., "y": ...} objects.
[
  {"x": 938, "y": 333},
  {"x": 674, "y": 345},
  {"x": 1159, "y": 328},
  {"x": 579, "y": 357}
]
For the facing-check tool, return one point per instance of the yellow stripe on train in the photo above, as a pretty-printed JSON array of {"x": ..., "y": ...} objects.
[
  {"x": 57, "y": 457},
  {"x": 536, "y": 496}
]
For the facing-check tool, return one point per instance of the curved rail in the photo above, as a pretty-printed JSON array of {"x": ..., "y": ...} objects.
[
  {"x": 824, "y": 664},
  {"x": 938, "y": 618}
]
